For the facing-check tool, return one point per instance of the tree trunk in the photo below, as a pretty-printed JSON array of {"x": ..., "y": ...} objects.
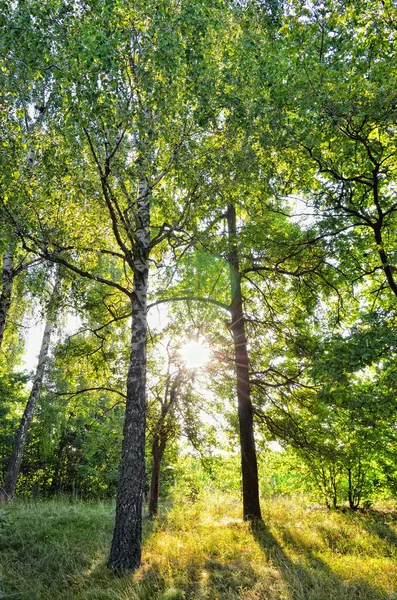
[
  {"x": 334, "y": 489},
  {"x": 6, "y": 290},
  {"x": 10, "y": 482},
  {"x": 160, "y": 440},
  {"x": 350, "y": 493},
  {"x": 249, "y": 467},
  {"x": 56, "y": 478},
  {"x": 125, "y": 552},
  {"x": 158, "y": 448}
]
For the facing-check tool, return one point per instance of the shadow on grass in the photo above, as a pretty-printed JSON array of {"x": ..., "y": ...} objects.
[
  {"x": 61, "y": 556},
  {"x": 46, "y": 547},
  {"x": 304, "y": 577},
  {"x": 202, "y": 580},
  {"x": 310, "y": 578},
  {"x": 380, "y": 524}
]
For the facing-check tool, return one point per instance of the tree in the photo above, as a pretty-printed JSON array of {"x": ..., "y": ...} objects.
[
  {"x": 7, "y": 490},
  {"x": 341, "y": 120},
  {"x": 245, "y": 412},
  {"x": 164, "y": 396},
  {"x": 340, "y": 417},
  {"x": 6, "y": 290},
  {"x": 124, "y": 115}
]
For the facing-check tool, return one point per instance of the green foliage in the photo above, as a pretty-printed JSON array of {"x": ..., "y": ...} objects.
[
  {"x": 340, "y": 427},
  {"x": 274, "y": 109}
]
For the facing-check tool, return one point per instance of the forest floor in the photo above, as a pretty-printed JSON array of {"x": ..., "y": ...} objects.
[{"x": 56, "y": 550}]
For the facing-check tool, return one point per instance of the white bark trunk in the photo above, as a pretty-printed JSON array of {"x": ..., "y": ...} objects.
[
  {"x": 7, "y": 491},
  {"x": 125, "y": 552},
  {"x": 6, "y": 290}
]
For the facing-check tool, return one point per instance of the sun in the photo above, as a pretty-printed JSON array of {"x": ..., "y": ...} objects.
[{"x": 195, "y": 354}]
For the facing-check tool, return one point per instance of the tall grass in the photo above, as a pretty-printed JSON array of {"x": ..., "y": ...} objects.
[{"x": 202, "y": 550}]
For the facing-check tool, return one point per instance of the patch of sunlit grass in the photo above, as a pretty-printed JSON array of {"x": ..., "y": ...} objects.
[
  {"x": 355, "y": 550},
  {"x": 207, "y": 553},
  {"x": 57, "y": 550}
]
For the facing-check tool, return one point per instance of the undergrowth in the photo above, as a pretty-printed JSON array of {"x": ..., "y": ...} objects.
[{"x": 56, "y": 550}]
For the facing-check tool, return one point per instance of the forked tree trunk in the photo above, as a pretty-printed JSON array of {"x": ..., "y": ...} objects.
[
  {"x": 249, "y": 467},
  {"x": 158, "y": 449},
  {"x": 7, "y": 491},
  {"x": 160, "y": 439},
  {"x": 125, "y": 552},
  {"x": 6, "y": 289}
]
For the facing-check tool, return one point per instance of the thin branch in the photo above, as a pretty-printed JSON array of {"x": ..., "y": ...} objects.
[
  {"x": 192, "y": 299},
  {"x": 91, "y": 389}
]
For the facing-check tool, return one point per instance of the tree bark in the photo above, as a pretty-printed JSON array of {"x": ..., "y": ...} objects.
[
  {"x": 125, "y": 552},
  {"x": 7, "y": 491},
  {"x": 249, "y": 467},
  {"x": 6, "y": 290}
]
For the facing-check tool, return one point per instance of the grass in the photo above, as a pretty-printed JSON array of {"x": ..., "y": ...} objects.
[{"x": 56, "y": 550}]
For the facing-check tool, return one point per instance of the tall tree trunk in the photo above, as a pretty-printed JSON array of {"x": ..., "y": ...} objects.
[
  {"x": 6, "y": 290},
  {"x": 125, "y": 552},
  {"x": 249, "y": 467},
  {"x": 7, "y": 491}
]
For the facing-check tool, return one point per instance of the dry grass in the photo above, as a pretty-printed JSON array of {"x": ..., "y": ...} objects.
[{"x": 200, "y": 551}]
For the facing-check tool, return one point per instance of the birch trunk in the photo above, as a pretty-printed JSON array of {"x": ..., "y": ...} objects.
[
  {"x": 6, "y": 290},
  {"x": 125, "y": 552},
  {"x": 7, "y": 491},
  {"x": 251, "y": 505}
]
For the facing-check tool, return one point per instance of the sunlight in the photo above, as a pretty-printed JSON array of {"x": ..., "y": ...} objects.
[{"x": 195, "y": 354}]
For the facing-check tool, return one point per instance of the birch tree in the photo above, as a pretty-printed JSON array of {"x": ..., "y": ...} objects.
[
  {"x": 7, "y": 490},
  {"x": 127, "y": 119},
  {"x": 6, "y": 289}
]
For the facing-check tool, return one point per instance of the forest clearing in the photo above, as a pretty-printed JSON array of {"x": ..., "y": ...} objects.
[{"x": 198, "y": 324}]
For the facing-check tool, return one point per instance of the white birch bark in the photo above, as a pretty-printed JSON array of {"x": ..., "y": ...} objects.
[
  {"x": 125, "y": 552},
  {"x": 6, "y": 289}
]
